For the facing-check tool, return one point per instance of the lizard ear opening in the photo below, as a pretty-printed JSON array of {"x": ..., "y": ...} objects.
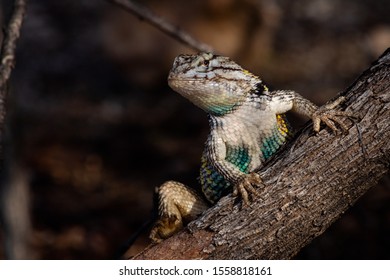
[{"x": 260, "y": 88}]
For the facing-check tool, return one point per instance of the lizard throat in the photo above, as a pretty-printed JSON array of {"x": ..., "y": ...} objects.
[{"x": 211, "y": 97}]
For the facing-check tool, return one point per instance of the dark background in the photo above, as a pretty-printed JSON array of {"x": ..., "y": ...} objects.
[{"x": 94, "y": 127}]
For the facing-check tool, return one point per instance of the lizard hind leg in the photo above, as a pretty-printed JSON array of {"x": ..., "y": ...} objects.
[{"x": 177, "y": 204}]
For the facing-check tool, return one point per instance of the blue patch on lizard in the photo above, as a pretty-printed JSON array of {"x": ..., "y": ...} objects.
[{"x": 214, "y": 185}]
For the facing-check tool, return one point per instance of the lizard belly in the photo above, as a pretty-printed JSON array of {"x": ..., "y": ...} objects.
[
  {"x": 214, "y": 185},
  {"x": 247, "y": 147}
]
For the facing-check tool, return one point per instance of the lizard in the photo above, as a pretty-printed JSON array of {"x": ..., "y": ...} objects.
[{"x": 247, "y": 126}]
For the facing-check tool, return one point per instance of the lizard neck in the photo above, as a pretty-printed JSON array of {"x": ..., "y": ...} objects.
[{"x": 225, "y": 106}]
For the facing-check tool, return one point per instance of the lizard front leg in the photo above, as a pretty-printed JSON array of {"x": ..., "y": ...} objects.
[
  {"x": 233, "y": 164},
  {"x": 245, "y": 185},
  {"x": 177, "y": 204},
  {"x": 283, "y": 101},
  {"x": 330, "y": 116}
]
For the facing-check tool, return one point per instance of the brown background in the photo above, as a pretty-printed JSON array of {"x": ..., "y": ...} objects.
[{"x": 95, "y": 127}]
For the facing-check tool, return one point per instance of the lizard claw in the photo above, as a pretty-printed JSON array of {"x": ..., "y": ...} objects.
[
  {"x": 246, "y": 186},
  {"x": 330, "y": 116}
]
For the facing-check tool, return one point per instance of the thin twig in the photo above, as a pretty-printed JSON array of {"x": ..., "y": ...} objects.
[
  {"x": 9, "y": 43},
  {"x": 14, "y": 190},
  {"x": 7, "y": 58},
  {"x": 144, "y": 13}
]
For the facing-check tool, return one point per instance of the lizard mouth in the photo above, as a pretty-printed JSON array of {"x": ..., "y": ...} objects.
[
  {"x": 184, "y": 79},
  {"x": 191, "y": 82}
]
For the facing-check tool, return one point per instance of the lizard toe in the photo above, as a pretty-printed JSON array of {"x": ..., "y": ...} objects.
[
  {"x": 246, "y": 187},
  {"x": 331, "y": 118}
]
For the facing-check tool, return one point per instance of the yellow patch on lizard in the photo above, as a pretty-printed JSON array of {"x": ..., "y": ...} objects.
[{"x": 283, "y": 126}]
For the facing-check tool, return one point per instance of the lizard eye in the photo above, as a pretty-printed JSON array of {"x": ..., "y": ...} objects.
[{"x": 206, "y": 63}]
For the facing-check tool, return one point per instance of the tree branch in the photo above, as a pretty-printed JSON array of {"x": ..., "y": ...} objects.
[
  {"x": 14, "y": 191},
  {"x": 7, "y": 59},
  {"x": 175, "y": 32},
  {"x": 310, "y": 184}
]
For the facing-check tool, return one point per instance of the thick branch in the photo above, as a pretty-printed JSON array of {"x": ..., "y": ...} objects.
[
  {"x": 174, "y": 31},
  {"x": 310, "y": 184}
]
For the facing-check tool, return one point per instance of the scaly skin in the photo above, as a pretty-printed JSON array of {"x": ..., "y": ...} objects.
[{"x": 247, "y": 126}]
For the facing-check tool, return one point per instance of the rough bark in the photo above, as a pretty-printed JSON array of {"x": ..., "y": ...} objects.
[{"x": 311, "y": 183}]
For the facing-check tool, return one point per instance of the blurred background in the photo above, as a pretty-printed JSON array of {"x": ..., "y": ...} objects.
[{"x": 93, "y": 126}]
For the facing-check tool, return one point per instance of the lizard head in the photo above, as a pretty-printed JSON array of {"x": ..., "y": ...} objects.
[{"x": 212, "y": 82}]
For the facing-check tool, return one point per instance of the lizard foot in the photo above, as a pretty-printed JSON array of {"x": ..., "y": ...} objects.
[
  {"x": 246, "y": 185},
  {"x": 165, "y": 227},
  {"x": 330, "y": 116},
  {"x": 177, "y": 205}
]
